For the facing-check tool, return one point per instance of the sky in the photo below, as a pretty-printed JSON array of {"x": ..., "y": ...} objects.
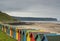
[{"x": 31, "y": 8}]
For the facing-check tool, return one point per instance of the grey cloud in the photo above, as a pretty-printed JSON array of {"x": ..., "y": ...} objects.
[
  {"x": 37, "y": 7},
  {"x": 26, "y": 4}
]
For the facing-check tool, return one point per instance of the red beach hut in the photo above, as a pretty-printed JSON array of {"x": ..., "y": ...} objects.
[
  {"x": 32, "y": 37},
  {"x": 19, "y": 36}
]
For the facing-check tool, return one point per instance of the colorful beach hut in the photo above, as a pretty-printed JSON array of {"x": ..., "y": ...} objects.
[
  {"x": 37, "y": 38},
  {"x": 27, "y": 36},
  {"x": 19, "y": 35},
  {"x": 8, "y": 30},
  {"x": 11, "y": 32},
  {"x": 44, "y": 38},
  {"x": 16, "y": 34},
  {"x": 32, "y": 38},
  {"x": 24, "y": 36}
]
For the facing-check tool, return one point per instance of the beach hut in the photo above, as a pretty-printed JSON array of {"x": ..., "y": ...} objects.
[
  {"x": 44, "y": 38},
  {"x": 23, "y": 35},
  {"x": 8, "y": 30},
  {"x": 37, "y": 38},
  {"x": 14, "y": 33},
  {"x": 27, "y": 36},
  {"x": 32, "y": 38},
  {"x": 11, "y": 32},
  {"x": 17, "y": 34}
]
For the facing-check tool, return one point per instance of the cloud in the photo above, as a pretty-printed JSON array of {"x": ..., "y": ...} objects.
[
  {"x": 45, "y": 8},
  {"x": 26, "y": 5}
]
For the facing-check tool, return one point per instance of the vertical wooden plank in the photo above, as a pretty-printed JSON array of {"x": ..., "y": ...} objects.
[
  {"x": 44, "y": 38},
  {"x": 19, "y": 36},
  {"x": 37, "y": 38},
  {"x": 28, "y": 37},
  {"x": 11, "y": 32},
  {"x": 21, "y": 32},
  {"x": 32, "y": 38},
  {"x": 8, "y": 30},
  {"x": 16, "y": 34},
  {"x": 24, "y": 36}
]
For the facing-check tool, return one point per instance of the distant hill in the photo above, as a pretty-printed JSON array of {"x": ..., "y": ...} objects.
[
  {"x": 5, "y": 17},
  {"x": 34, "y": 19}
]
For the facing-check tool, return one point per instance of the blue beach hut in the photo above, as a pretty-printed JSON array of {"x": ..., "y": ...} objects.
[
  {"x": 14, "y": 33},
  {"x": 44, "y": 38},
  {"x": 24, "y": 36}
]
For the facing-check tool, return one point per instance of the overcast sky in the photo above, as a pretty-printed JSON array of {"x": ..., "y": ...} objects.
[{"x": 31, "y": 8}]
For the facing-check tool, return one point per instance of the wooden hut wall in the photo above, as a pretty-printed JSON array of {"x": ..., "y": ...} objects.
[
  {"x": 28, "y": 37},
  {"x": 44, "y": 38},
  {"x": 32, "y": 38},
  {"x": 23, "y": 35},
  {"x": 19, "y": 35},
  {"x": 11, "y": 32},
  {"x": 16, "y": 34},
  {"x": 8, "y": 30}
]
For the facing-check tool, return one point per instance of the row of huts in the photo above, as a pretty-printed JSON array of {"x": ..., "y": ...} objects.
[{"x": 25, "y": 34}]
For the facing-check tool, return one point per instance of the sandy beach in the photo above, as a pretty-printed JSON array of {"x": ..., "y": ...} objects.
[{"x": 44, "y": 27}]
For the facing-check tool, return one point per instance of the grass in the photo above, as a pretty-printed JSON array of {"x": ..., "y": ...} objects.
[
  {"x": 5, "y": 37},
  {"x": 5, "y": 17}
]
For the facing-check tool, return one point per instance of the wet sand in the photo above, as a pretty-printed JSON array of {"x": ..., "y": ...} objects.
[{"x": 47, "y": 27}]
